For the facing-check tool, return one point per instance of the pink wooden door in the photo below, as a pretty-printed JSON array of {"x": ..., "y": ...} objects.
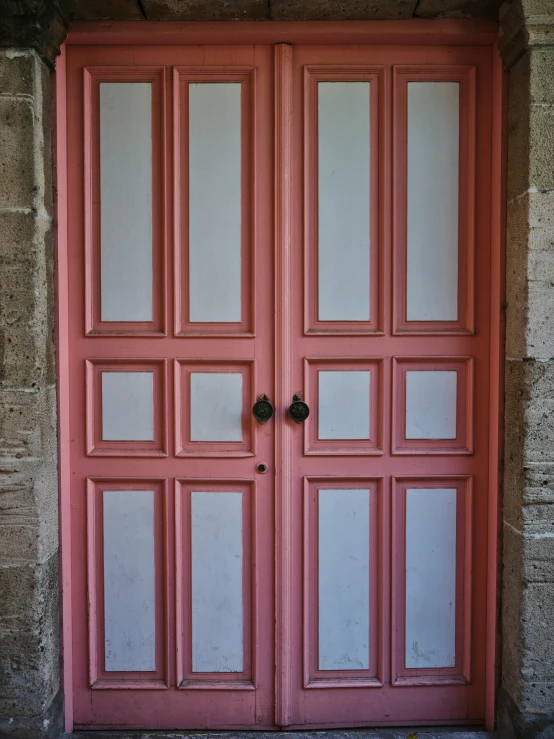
[
  {"x": 170, "y": 346},
  {"x": 389, "y": 348},
  {"x": 279, "y": 221}
]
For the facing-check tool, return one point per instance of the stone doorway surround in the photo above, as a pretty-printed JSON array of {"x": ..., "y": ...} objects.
[{"x": 31, "y": 32}]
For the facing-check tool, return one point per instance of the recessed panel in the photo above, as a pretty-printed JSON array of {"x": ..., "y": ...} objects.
[
  {"x": 129, "y": 581},
  {"x": 431, "y": 398},
  {"x": 126, "y": 201},
  {"x": 127, "y": 406},
  {"x": 217, "y": 588},
  {"x": 430, "y": 596},
  {"x": 214, "y": 184},
  {"x": 343, "y": 201},
  {"x": 343, "y": 579},
  {"x": 433, "y": 200},
  {"x": 216, "y": 406},
  {"x": 344, "y": 404}
]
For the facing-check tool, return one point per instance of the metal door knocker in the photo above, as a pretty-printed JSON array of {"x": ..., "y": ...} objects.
[
  {"x": 262, "y": 410},
  {"x": 298, "y": 410}
]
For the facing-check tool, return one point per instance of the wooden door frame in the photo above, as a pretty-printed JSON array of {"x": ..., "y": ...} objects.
[{"x": 283, "y": 34}]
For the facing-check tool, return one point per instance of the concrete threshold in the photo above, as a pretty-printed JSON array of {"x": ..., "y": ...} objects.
[{"x": 437, "y": 732}]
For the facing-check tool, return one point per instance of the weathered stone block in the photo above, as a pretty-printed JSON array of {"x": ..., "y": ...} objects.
[
  {"x": 28, "y": 683},
  {"x": 541, "y": 220},
  {"x": 541, "y": 148},
  {"x": 17, "y": 73},
  {"x": 512, "y": 605},
  {"x": 28, "y": 474},
  {"x": 458, "y": 9},
  {"x": 17, "y": 152},
  {"x": 98, "y": 9},
  {"x": 209, "y": 10},
  {"x": 538, "y": 557},
  {"x": 341, "y": 9},
  {"x": 539, "y": 519},
  {"x": 517, "y": 233},
  {"x": 518, "y": 128},
  {"x": 26, "y": 312},
  {"x": 539, "y": 411},
  {"x": 540, "y": 336},
  {"x": 537, "y": 697},
  {"x": 542, "y": 77},
  {"x": 516, "y": 397},
  {"x": 534, "y": 8},
  {"x": 539, "y": 484}
]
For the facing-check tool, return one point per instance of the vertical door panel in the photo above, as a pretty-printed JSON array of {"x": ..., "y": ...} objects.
[
  {"x": 123, "y": 217},
  {"x": 216, "y": 114},
  {"x": 341, "y": 143},
  {"x": 343, "y": 201},
  {"x": 129, "y": 599},
  {"x": 343, "y": 579},
  {"x": 435, "y": 199},
  {"x": 214, "y": 187},
  {"x": 430, "y": 577},
  {"x": 126, "y": 588},
  {"x": 432, "y": 198},
  {"x": 126, "y": 201},
  {"x": 174, "y": 600},
  {"x": 217, "y": 590},
  {"x": 389, "y": 349}
]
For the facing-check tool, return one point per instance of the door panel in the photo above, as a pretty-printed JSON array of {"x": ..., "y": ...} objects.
[
  {"x": 354, "y": 593},
  {"x": 170, "y": 347},
  {"x": 390, "y": 351}
]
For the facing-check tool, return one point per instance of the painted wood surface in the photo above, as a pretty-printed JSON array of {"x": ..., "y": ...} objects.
[
  {"x": 431, "y": 404},
  {"x": 216, "y": 598},
  {"x": 433, "y": 175},
  {"x": 343, "y": 201},
  {"x": 129, "y": 576},
  {"x": 214, "y": 190},
  {"x": 213, "y": 447},
  {"x": 343, "y": 579},
  {"x": 127, "y": 406},
  {"x": 344, "y": 404},
  {"x": 126, "y": 200},
  {"x": 430, "y": 577},
  {"x": 216, "y": 406}
]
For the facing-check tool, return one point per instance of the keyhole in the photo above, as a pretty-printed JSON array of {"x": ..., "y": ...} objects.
[{"x": 262, "y": 467}]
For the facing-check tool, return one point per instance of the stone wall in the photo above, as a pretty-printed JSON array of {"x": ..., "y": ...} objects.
[
  {"x": 30, "y": 700},
  {"x": 526, "y": 700}
]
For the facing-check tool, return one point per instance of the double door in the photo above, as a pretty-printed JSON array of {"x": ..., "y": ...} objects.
[{"x": 306, "y": 226}]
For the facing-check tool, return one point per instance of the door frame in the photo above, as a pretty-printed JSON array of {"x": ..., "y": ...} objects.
[{"x": 284, "y": 34}]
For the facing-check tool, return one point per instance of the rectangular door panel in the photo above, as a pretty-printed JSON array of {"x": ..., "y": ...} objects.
[
  {"x": 174, "y": 605},
  {"x": 388, "y": 345}
]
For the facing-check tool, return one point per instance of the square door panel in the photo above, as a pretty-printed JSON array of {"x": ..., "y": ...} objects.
[
  {"x": 342, "y": 554},
  {"x": 126, "y": 407},
  {"x": 213, "y": 408},
  {"x": 346, "y": 406},
  {"x": 431, "y": 593},
  {"x": 126, "y": 583},
  {"x": 432, "y": 405}
]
